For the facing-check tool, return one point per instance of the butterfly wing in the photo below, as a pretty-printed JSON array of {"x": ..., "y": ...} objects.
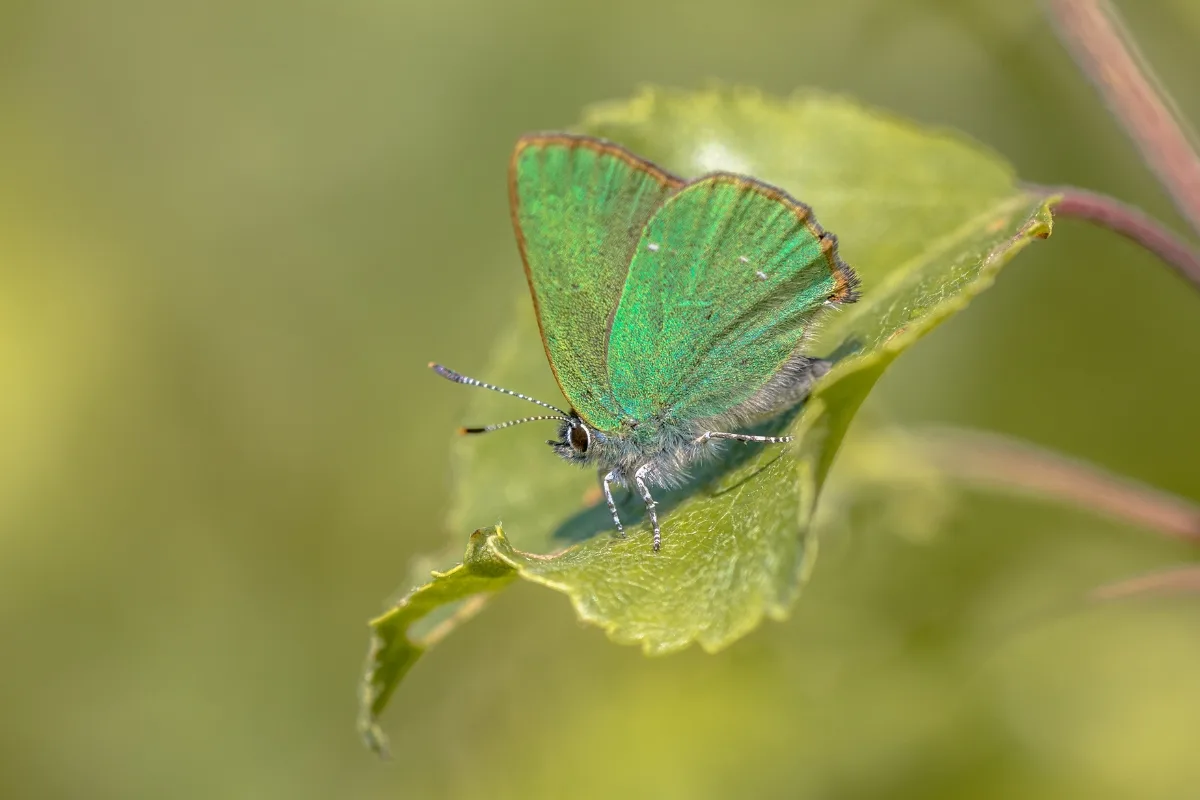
[
  {"x": 579, "y": 206},
  {"x": 725, "y": 282}
]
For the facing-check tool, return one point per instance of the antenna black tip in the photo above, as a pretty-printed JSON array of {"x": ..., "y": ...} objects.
[{"x": 465, "y": 431}]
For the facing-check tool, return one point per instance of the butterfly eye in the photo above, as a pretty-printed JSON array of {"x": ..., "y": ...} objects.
[{"x": 579, "y": 438}]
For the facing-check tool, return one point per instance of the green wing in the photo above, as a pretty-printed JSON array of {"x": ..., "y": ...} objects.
[
  {"x": 578, "y": 206},
  {"x": 724, "y": 285}
]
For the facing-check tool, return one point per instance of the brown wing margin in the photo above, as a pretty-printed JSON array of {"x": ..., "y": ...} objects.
[{"x": 845, "y": 280}]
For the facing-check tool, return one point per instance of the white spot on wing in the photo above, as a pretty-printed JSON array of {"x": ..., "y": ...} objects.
[
  {"x": 743, "y": 259},
  {"x": 762, "y": 276},
  {"x": 652, "y": 247}
]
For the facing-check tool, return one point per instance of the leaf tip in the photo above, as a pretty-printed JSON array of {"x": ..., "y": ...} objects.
[
  {"x": 373, "y": 737},
  {"x": 370, "y": 698}
]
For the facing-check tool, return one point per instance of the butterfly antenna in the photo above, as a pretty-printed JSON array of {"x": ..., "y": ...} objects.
[
  {"x": 451, "y": 375},
  {"x": 510, "y": 423}
]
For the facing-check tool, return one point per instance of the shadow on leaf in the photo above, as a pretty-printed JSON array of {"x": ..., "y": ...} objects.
[{"x": 706, "y": 479}]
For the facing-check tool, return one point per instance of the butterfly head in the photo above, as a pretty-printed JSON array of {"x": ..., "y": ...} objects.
[{"x": 577, "y": 441}]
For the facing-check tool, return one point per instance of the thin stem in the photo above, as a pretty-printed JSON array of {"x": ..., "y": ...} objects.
[
  {"x": 1093, "y": 33},
  {"x": 1177, "y": 580},
  {"x": 1130, "y": 222},
  {"x": 995, "y": 461}
]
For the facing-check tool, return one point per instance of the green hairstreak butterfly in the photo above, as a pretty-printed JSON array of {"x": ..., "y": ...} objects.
[{"x": 673, "y": 312}]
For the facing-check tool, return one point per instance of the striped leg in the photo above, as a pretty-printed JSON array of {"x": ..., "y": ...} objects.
[
  {"x": 640, "y": 478},
  {"x": 605, "y": 481},
  {"x": 742, "y": 437}
]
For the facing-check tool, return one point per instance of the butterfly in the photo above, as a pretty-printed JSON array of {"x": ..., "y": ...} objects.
[{"x": 673, "y": 312}]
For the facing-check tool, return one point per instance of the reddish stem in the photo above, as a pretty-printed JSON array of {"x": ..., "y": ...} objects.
[
  {"x": 998, "y": 462},
  {"x": 1093, "y": 33},
  {"x": 1131, "y": 223}
]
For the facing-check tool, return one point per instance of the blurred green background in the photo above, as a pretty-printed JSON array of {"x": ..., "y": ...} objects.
[{"x": 231, "y": 236}]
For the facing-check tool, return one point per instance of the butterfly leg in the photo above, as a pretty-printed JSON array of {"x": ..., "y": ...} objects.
[
  {"x": 639, "y": 477},
  {"x": 742, "y": 437},
  {"x": 604, "y": 482}
]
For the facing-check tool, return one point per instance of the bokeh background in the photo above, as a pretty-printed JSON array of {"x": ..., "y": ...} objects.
[{"x": 233, "y": 233}]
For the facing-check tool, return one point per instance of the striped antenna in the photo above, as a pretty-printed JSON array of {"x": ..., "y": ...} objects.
[
  {"x": 499, "y": 425},
  {"x": 451, "y": 375}
]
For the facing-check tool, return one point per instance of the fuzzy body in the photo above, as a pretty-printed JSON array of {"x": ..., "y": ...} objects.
[
  {"x": 662, "y": 448},
  {"x": 665, "y": 447}
]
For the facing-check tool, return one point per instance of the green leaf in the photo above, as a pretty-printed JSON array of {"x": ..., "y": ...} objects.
[
  {"x": 926, "y": 218},
  {"x": 395, "y": 647}
]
